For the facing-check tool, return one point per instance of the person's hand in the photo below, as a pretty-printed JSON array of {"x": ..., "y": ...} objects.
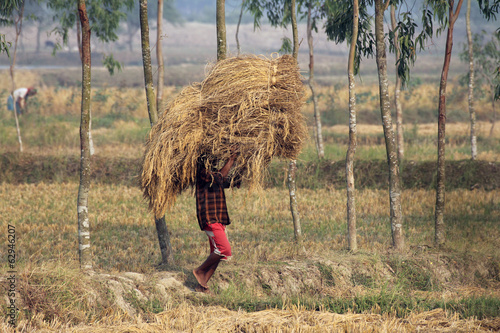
[{"x": 235, "y": 151}]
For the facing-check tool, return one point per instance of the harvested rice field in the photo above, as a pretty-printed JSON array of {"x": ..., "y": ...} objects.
[{"x": 272, "y": 283}]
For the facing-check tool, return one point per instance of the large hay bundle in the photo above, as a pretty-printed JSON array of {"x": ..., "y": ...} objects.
[{"x": 249, "y": 102}]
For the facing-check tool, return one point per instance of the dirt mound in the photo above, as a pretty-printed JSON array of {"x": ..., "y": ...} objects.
[{"x": 164, "y": 301}]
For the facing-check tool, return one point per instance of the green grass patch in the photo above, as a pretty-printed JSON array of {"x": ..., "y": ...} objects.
[
  {"x": 412, "y": 275},
  {"x": 479, "y": 307},
  {"x": 383, "y": 302}
]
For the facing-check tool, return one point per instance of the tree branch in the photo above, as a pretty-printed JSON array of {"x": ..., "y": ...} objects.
[
  {"x": 457, "y": 11},
  {"x": 386, "y": 4}
]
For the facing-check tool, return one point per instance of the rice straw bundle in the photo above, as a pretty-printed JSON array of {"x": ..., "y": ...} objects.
[{"x": 247, "y": 102}]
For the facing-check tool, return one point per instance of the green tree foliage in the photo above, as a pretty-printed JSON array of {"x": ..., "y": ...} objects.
[
  {"x": 277, "y": 11},
  {"x": 5, "y": 45},
  {"x": 111, "y": 64},
  {"x": 316, "y": 11},
  {"x": 489, "y": 9},
  {"x": 7, "y": 9},
  {"x": 104, "y": 16},
  {"x": 338, "y": 27},
  {"x": 487, "y": 59},
  {"x": 407, "y": 43}
]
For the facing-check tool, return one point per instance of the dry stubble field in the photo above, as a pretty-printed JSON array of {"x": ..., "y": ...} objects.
[{"x": 270, "y": 285}]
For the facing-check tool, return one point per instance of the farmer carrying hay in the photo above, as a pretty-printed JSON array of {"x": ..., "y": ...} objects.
[{"x": 223, "y": 131}]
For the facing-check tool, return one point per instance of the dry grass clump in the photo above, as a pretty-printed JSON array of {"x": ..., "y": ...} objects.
[
  {"x": 248, "y": 103},
  {"x": 188, "y": 318},
  {"x": 51, "y": 293}
]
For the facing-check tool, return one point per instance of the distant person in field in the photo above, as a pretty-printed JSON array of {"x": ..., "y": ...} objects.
[
  {"x": 213, "y": 218},
  {"x": 19, "y": 99}
]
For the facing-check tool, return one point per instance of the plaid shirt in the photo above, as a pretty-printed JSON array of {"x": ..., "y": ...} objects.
[{"x": 210, "y": 198}]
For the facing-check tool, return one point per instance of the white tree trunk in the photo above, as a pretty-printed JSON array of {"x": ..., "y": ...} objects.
[
  {"x": 351, "y": 150},
  {"x": 390, "y": 141},
  {"x": 292, "y": 188},
  {"x": 472, "y": 111},
  {"x": 317, "y": 116},
  {"x": 84, "y": 249},
  {"x": 292, "y": 167},
  {"x": 18, "y": 129}
]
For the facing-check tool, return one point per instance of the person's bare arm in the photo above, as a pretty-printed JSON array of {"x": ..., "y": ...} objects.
[{"x": 225, "y": 169}]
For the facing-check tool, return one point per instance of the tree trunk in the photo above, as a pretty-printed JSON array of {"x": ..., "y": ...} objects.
[
  {"x": 146, "y": 60},
  {"x": 18, "y": 25},
  {"x": 472, "y": 111},
  {"x": 238, "y": 27},
  {"x": 221, "y": 30},
  {"x": 159, "y": 56},
  {"x": 440, "y": 236},
  {"x": 79, "y": 44},
  {"x": 38, "y": 33},
  {"x": 78, "y": 40},
  {"x": 397, "y": 93},
  {"x": 18, "y": 129},
  {"x": 292, "y": 167},
  {"x": 317, "y": 115},
  {"x": 390, "y": 142},
  {"x": 353, "y": 141},
  {"x": 85, "y": 252},
  {"x": 161, "y": 226},
  {"x": 494, "y": 114},
  {"x": 295, "y": 32},
  {"x": 292, "y": 188}
]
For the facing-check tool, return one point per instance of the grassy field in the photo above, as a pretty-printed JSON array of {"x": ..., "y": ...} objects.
[
  {"x": 268, "y": 271},
  {"x": 270, "y": 284}
]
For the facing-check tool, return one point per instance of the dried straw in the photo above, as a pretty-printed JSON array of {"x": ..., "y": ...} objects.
[
  {"x": 189, "y": 318},
  {"x": 248, "y": 102}
]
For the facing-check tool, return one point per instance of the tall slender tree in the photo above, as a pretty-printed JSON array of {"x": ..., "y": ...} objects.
[
  {"x": 338, "y": 27},
  {"x": 390, "y": 142},
  {"x": 292, "y": 167},
  {"x": 133, "y": 23},
  {"x": 280, "y": 13},
  {"x": 161, "y": 225},
  {"x": 159, "y": 56},
  {"x": 85, "y": 253},
  {"x": 353, "y": 141},
  {"x": 397, "y": 92},
  {"x": 472, "y": 111},
  {"x": 487, "y": 60},
  {"x": 221, "y": 30},
  {"x": 440, "y": 234},
  {"x": 311, "y": 25},
  {"x": 103, "y": 23},
  {"x": 349, "y": 20},
  {"x": 446, "y": 13},
  {"x": 238, "y": 27},
  {"x": 7, "y": 12},
  {"x": 13, "y": 13}
]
